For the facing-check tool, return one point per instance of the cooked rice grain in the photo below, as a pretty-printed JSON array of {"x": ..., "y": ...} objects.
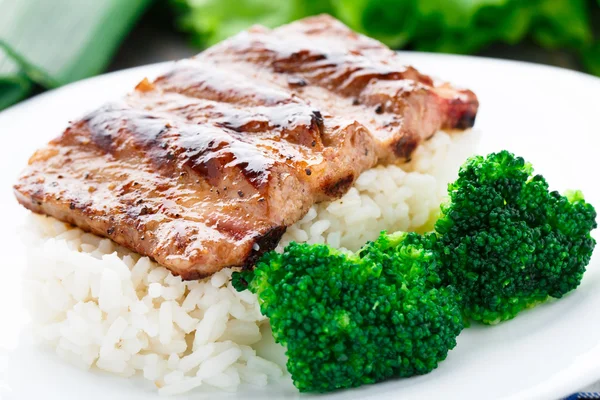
[
  {"x": 99, "y": 304},
  {"x": 390, "y": 198}
]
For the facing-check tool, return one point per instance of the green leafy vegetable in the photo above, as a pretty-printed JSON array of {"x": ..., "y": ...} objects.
[
  {"x": 455, "y": 26},
  {"x": 215, "y": 20}
]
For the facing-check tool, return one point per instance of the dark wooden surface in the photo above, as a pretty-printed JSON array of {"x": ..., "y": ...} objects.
[{"x": 156, "y": 39}]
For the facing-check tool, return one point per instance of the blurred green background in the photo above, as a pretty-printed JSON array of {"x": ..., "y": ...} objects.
[{"x": 48, "y": 43}]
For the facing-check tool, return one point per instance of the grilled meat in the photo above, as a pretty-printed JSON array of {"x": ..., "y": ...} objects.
[
  {"x": 344, "y": 73},
  {"x": 205, "y": 167}
]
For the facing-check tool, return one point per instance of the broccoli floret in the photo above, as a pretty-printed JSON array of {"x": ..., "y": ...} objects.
[
  {"x": 506, "y": 242},
  {"x": 353, "y": 319}
]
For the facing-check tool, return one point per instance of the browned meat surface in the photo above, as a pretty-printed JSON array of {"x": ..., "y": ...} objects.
[
  {"x": 204, "y": 168},
  {"x": 344, "y": 73}
]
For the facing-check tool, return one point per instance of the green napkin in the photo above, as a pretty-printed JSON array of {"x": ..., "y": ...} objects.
[
  {"x": 54, "y": 42},
  {"x": 14, "y": 84}
]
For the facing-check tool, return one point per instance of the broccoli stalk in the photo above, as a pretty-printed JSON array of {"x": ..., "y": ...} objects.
[
  {"x": 353, "y": 319},
  {"x": 506, "y": 242}
]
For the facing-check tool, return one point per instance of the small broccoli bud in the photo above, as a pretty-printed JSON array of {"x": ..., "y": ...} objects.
[{"x": 241, "y": 280}]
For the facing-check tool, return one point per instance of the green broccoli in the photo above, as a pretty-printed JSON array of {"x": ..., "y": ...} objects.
[
  {"x": 503, "y": 243},
  {"x": 506, "y": 242},
  {"x": 352, "y": 319}
]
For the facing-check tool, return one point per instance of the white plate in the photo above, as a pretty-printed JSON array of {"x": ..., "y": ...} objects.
[{"x": 548, "y": 115}]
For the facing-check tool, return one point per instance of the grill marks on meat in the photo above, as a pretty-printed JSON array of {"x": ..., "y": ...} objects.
[
  {"x": 195, "y": 183},
  {"x": 204, "y": 168},
  {"x": 344, "y": 73}
]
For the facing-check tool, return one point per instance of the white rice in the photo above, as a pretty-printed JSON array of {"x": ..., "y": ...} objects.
[
  {"x": 102, "y": 306},
  {"x": 391, "y": 198}
]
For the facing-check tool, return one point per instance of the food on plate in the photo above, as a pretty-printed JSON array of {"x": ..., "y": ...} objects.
[
  {"x": 350, "y": 319},
  {"x": 507, "y": 242},
  {"x": 308, "y": 133},
  {"x": 343, "y": 73},
  {"x": 101, "y": 304},
  {"x": 207, "y": 166},
  {"x": 105, "y": 307},
  {"x": 502, "y": 244}
]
